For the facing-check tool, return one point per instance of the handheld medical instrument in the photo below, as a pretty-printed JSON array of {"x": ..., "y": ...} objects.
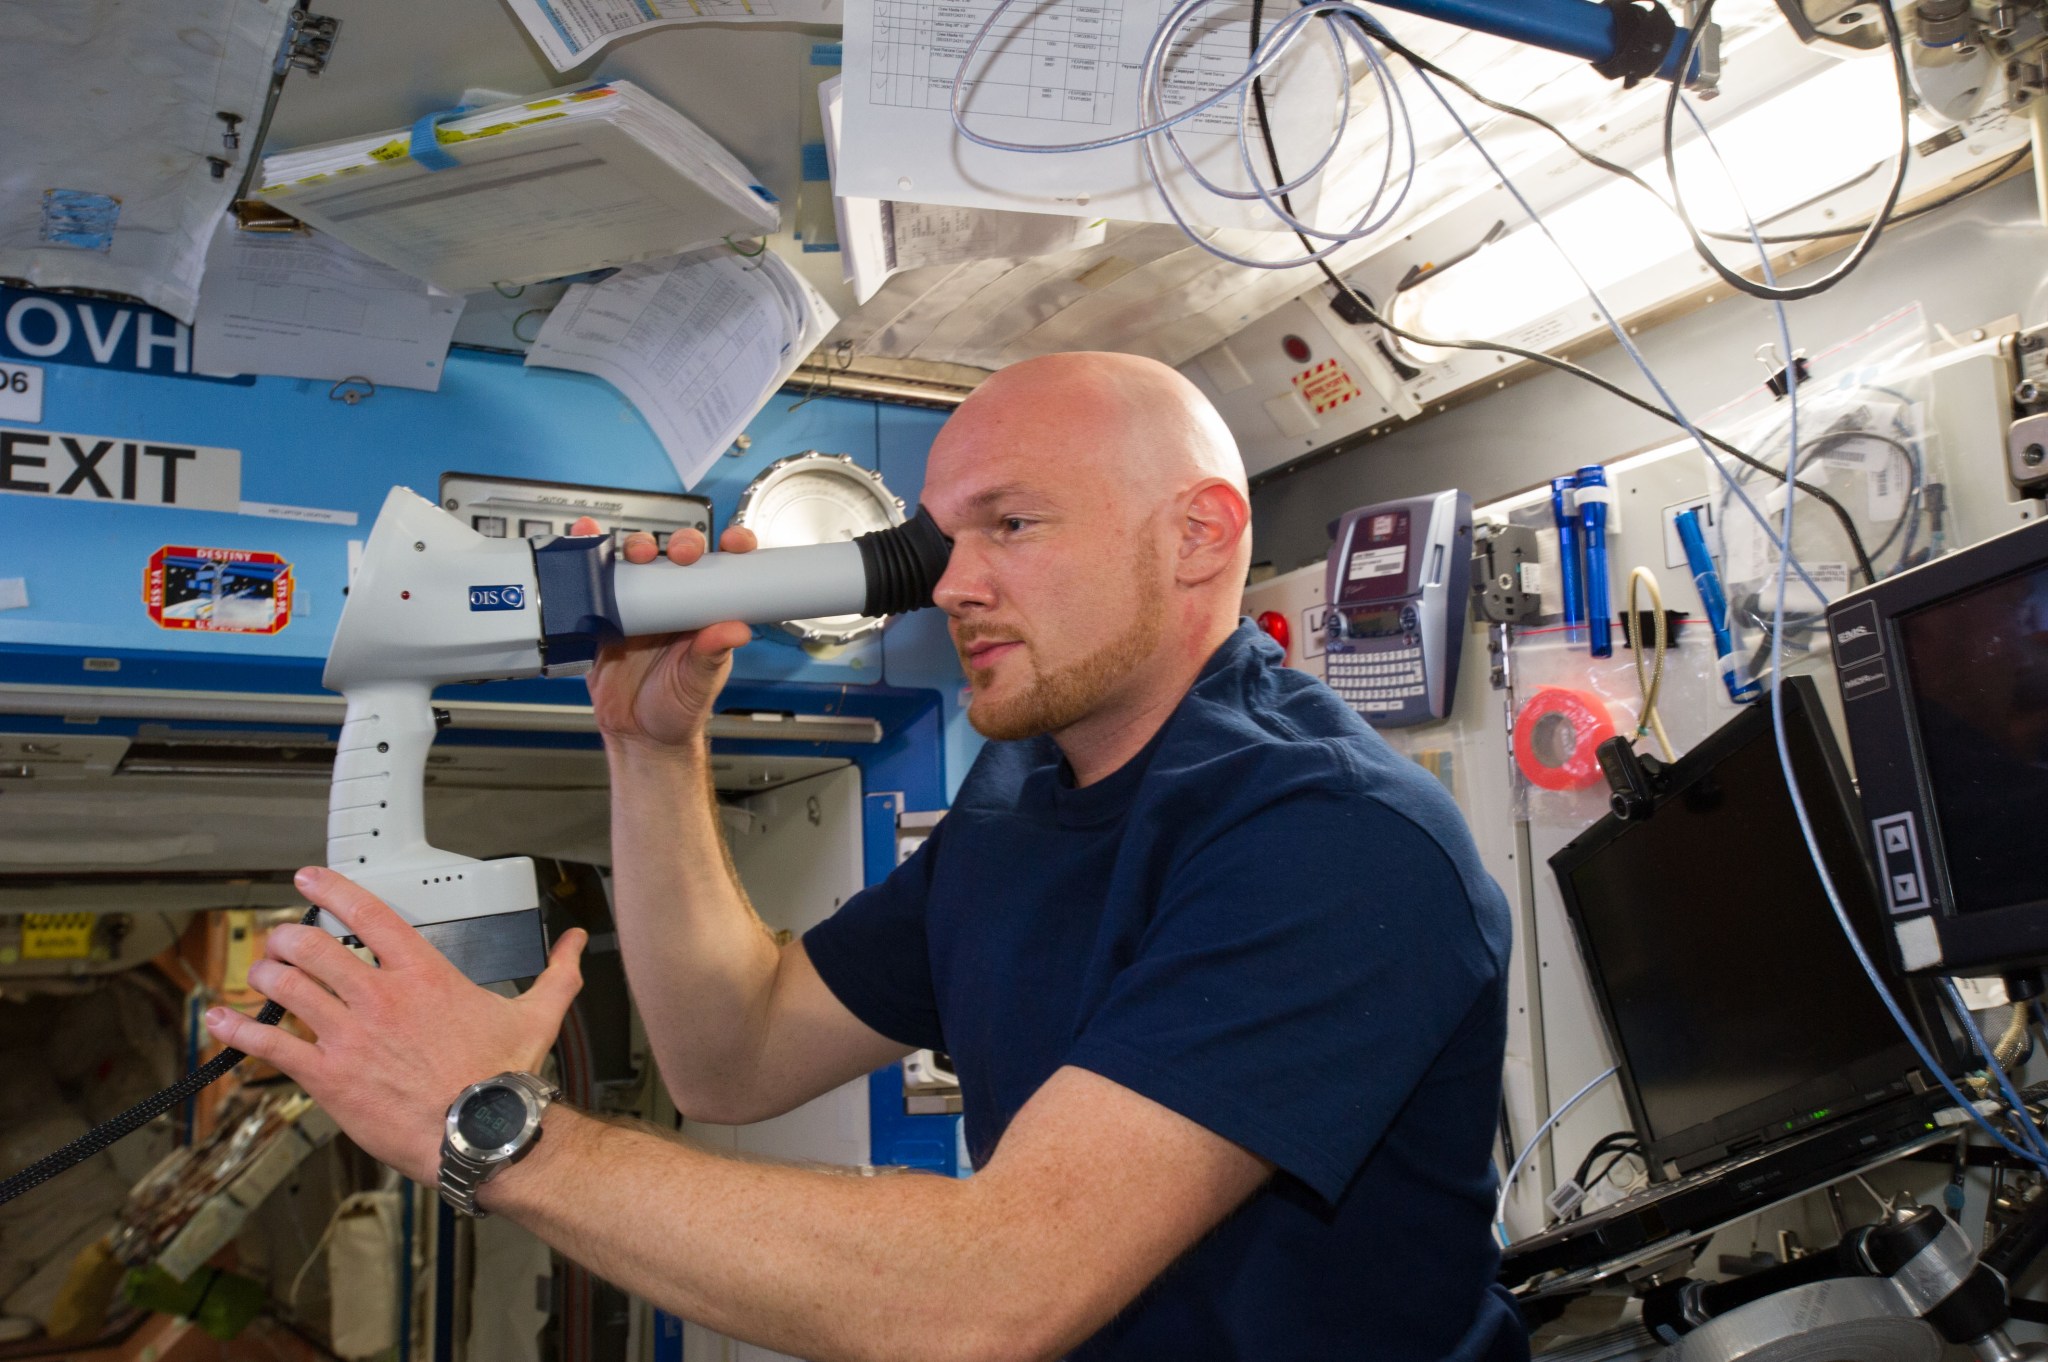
[
  {"x": 1397, "y": 579},
  {"x": 434, "y": 603},
  {"x": 1714, "y": 601},
  {"x": 1595, "y": 498}
]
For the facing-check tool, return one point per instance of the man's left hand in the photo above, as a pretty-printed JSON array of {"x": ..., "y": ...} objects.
[{"x": 398, "y": 1041}]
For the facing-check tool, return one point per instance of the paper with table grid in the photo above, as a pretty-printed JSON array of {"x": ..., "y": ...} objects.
[
  {"x": 697, "y": 344},
  {"x": 1061, "y": 71}
]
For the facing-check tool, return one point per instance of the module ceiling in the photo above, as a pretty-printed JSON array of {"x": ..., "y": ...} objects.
[{"x": 1146, "y": 289}]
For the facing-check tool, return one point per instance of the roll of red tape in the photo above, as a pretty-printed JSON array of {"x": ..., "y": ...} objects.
[{"x": 1557, "y": 735}]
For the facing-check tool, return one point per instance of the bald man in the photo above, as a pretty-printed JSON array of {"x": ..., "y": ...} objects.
[{"x": 1221, "y": 974}]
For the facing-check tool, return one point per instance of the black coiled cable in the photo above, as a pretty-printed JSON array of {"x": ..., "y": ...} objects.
[{"x": 110, "y": 1132}]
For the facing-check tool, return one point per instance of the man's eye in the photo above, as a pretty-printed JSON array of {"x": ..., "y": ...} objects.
[{"x": 1014, "y": 524}]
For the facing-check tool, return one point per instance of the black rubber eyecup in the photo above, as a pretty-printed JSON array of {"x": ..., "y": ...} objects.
[{"x": 903, "y": 565}]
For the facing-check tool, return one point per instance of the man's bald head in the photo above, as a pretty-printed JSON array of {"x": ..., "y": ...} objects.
[{"x": 1133, "y": 421}]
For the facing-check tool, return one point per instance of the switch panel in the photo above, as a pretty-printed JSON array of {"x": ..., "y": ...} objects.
[{"x": 523, "y": 508}]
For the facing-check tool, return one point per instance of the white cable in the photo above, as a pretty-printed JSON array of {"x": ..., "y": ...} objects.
[
  {"x": 1507, "y": 1184},
  {"x": 1156, "y": 124},
  {"x": 1370, "y": 220}
]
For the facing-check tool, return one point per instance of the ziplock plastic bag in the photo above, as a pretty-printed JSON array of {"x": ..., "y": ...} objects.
[{"x": 1866, "y": 441}]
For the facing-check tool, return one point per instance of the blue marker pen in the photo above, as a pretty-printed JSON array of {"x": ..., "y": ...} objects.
[
  {"x": 1715, "y": 602},
  {"x": 1564, "y": 504},
  {"x": 1595, "y": 498}
]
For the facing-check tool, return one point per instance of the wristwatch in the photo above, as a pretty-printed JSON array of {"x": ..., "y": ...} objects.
[{"x": 490, "y": 1126}]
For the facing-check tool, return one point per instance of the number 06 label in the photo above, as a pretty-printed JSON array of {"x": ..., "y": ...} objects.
[{"x": 21, "y": 392}]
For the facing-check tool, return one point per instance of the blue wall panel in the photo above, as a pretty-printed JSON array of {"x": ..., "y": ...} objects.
[{"x": 84, "y": 561}]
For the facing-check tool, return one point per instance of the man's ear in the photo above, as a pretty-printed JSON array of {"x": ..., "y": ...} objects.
[{"x": 1215, "y": 524}]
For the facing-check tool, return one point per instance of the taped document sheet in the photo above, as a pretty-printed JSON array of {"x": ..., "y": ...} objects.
[
  {"x": 878, "y": 237},
  {"x": 697, "y": 344},
  {"x": 569, "y": 181},
  {"x": 573, "y": 31},
  {"x": 115, "y": 114},
  {"x": 305, "y": 306},
  {"x": 1064, "y": 71}
]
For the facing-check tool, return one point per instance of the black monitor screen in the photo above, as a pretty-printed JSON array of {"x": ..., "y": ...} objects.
[
  {"x": 1979, "y": 669},
  {"x": 1728, "y": 981}
]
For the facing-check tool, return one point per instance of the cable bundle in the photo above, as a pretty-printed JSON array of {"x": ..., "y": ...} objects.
[{"x": 1159, "y": 126}]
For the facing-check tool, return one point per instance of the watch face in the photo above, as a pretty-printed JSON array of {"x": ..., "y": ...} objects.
[{"x": 492, "y": 1117}]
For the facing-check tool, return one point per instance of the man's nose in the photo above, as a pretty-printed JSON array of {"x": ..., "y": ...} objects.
[{"x": 965, "y": 585}]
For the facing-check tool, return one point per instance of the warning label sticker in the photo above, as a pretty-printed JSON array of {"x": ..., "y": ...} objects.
[
  {"x": 56, "y": 936},
  {"x": 222, "y": 591},
  {"x": 1326, "y": 386}
]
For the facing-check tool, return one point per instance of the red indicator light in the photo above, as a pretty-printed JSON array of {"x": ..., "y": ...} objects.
[
  {"x": 1296, "y": 348},
  {"x": 1275, "y": 625}
]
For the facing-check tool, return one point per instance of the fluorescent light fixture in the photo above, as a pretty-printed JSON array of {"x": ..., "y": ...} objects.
[{"x": 1825, "y": 131}]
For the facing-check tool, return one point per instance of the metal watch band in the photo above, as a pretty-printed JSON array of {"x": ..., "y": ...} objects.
[{"x": 461, "y": 1176}]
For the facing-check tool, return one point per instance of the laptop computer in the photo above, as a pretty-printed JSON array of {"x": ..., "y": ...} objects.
[{"x": 1756, "y": 1060}]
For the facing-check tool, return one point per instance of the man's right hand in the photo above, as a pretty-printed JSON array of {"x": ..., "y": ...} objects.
[{"x": 658, "y": 692}]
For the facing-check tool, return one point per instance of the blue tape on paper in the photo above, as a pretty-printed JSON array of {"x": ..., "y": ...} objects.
[
  {"x": 762, "y": 190},
  {"x": 810, "y": 246},
  {"x": 817, "y": 165},
  {"x": 425, "y": 146},
  {"x": 828, "y": 54},
  {"x": 74, "y": 217}
]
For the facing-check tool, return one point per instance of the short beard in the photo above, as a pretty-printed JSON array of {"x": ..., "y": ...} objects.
[{"x": 1050, "y": 703}]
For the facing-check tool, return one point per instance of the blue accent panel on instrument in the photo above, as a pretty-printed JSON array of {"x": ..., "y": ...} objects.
[{"x": 578, "y": 607}]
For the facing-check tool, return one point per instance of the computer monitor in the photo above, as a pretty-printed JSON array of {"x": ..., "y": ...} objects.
[
  {"x": 1944, "y": 679},
  {"x": 1735, "y": 1008}
]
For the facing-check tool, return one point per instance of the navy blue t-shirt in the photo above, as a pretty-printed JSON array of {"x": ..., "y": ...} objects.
[{"x": 1273, "y": 924}]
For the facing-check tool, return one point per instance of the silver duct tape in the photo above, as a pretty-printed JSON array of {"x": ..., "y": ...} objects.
[
  {"x": 1858, "y": 1319},
  {"x": 1942, "y": 1264}
]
